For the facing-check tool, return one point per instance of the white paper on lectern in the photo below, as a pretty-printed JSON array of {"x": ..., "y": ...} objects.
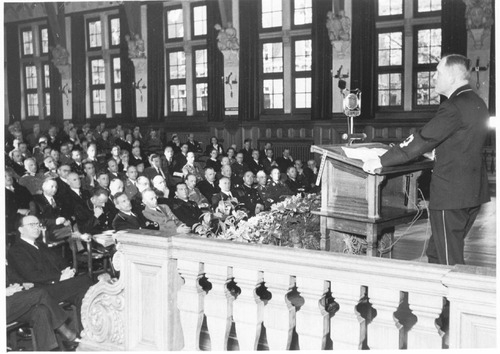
[{"x": 363, "y": 153}]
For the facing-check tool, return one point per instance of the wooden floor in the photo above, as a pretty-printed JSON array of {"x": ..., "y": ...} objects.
[{"x": 480, "y": 244}]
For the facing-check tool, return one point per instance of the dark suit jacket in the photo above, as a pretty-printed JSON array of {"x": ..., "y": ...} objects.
[
  {"x": 88, "y": 223},
  {"x": 457, "y": 132},
  {"x": 283, "y": 164},
  {"x": 187, "y": 212},
  {"x": 255, "y": 166},
  {"x": 207, "y": 189},
  {"x": 216, "y": 165},
  {"x": 249, "y": 197},
  {"x": 20, "y": 198},
  {"x": 268, "y": 165},
  {"x": 123, "y": 221},
  {"x": 46, "y": 213},
  {"x": 42, "y": 266}
]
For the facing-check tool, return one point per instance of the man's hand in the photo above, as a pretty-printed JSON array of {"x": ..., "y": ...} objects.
[
  {"x": 28, "y": 286},
  {"x": 67, "y": 273},
  {"x": 371, "y": 165},
  {"x": 12, "y": 289},
  {"x": 60, "y": 220},
  {"x": 183, "y": 229}
]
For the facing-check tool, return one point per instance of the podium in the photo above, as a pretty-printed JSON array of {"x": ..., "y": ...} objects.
[{"x": 354, "y": 202}]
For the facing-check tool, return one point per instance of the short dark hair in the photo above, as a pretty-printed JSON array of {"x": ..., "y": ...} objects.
[
  {"x": 118, "y": 195},
  {"x": 98, "y": 191},
  {"x": 459, "y": 61}
]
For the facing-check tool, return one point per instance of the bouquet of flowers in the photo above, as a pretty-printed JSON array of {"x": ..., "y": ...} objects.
[{"x": 290, "y": 223}]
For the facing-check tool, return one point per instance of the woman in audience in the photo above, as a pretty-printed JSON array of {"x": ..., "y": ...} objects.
[
  {"x": 213, "y": 162},
  {"x": 231, "y": 154},
  {"x": 214, "y": 144}
]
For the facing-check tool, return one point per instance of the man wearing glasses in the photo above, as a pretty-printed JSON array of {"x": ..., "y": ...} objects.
[{"x": 36, "y": 263}]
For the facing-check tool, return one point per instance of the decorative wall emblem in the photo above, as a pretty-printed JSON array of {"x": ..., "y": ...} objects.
[{"x": 479, "y": 18}]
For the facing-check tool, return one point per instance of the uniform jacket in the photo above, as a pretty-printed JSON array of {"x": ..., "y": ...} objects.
[
  {"x": 457, "y": 133},
  {"x": 166, "y": 220}
]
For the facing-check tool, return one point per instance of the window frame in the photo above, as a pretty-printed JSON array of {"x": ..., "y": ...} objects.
[
  {"x": 110, "y": 34},
  {"x": 422, "y": 67},
  {"x": 40, "y": 29},
  {"x": 87, "y": 34},
  {"x": 388, "y": 17},
  {"x": 174, "y": 82},
  {"x": 299, "y": 75},
  {"x": 417, "y": 14},
  {"x": 165, "y": 21},
  {"x": 268, "y": 29},
  {"x": 270, "y": 76},
  {"x": 45, "y": 89},
  {"x": 199, "y": 80},
  {"x": 292, "y": 16},
  {"x": 93, "y": 87},
  {"x": 115, "y": 85},
  {"x": 31, "y": 91},
  {"x": 191, "y": 20},
  {"x": 390, "y": 69},
  {"x": 21, "y": 31}
]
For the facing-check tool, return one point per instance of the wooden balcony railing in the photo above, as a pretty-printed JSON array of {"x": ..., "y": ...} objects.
[{"x": 188, "y": 293}]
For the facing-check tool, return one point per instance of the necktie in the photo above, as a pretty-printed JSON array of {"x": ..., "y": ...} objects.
[{"x": 52, "y": 202}]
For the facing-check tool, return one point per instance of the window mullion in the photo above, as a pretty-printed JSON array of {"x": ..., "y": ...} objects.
[
  {"x": 287, "y": 73},
  {"x": 408, "y": 65},
  {"x": 190, "y": 87}
]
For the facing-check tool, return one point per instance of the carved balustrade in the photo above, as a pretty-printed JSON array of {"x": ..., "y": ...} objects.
[{"x": 191, "y": 293}]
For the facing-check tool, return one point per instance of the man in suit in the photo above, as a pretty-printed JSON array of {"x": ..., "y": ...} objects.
[
  {"x": 247, "y": 151},
  {"x": 248, "y": 195},
  {"x": 193, "y": 146},
  {"x": 161, "y": 214},
  {"x": 31, "y": 180},
  {"x": 92, "y": 216},
  {"x": 208, "y": 187},
  {"x": 224, "y": 194},
  {"x": 137, "y": 157},
  {"x": 188, "y": 211},
  {"x": 268, "y": 161},
  {"x": 155, "y": 168},
  {"x": 113, "y": 169},
  {"x": 35, "y": 306},
  {"x": 65, "y": 154},
  {"x": 49, "y": 211},
  {"x": 76, "y": 162},
  {"x": 17, "y": 202},
  {"x": 254, "y": 164},
  {"x": 295, "y": 185},
  {"x": 459, "y": 183},
  {"x": 239, "y": 168},
  {"x": 194, "y": 193},
  {"x": 126, "y": 219},
  {"x": 284, "y": 161},
  {"x": 62, "y": 181},
  {"x": 130, "y": 185},
  {"x": 36, "y": 263},
  {"x": 90, "y": 179}
]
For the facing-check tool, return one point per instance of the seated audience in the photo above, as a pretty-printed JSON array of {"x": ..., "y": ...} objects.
[
  {"x": 247, "y": 151},
  {"x": 162, "y": 215},
  {"x": 48, "y": 210},
  {"x": 254, "y": 164},
  {"x": 193, "y": 146},
  {"x": 124, "y": 161},
  {"x": 213, "y": 162},
  {"x": 192, "y": 168},
  {"x": 130, "y": 185},
  {"x": 161, "y": 189},
  {"x": 17, "y": 163},
  {"x": 153, "y": 144},
  {"x": 93, "y": 217},
  {"x": 36, "y": 307},
  {"x": 277, "y": 191},
  {"x": 17, "y": 202},
  {"x": 65, "y": 154},
  {"x": 214, "y": 144},
  {"x": 249, "y": 196},
  {"x": 155, "y": 168},
  {"x": 36, "y": 263},
  {"x": 103, "y": 179},
  {"x": 294, "y": 184},
  {"x": 30, "y": 179},
  {"x": 188, "y": 212},
  {"x": 137, "y": 157},
  {"x": 208, "y": 187},
  {"x": 267, "y": 146},
  {"x": 239, "y": 168},
  {"x": 224, "y": 195},
  {"x": 231, "y": 155},
  {"x": 194, "y": 193},
  {"x": 284, "y": 161},
  {"x": 262, "y": 189},
  {"x": 126, "y": 219},
  {"x": 112, "y": 167},
  {"x": 268, "y": 161},
  {"x": 77, "y": 162},
  {"x": 89, "y": 181}
]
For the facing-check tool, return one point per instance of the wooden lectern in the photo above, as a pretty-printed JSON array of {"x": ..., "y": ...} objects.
[{"x": 358, "y": 203}]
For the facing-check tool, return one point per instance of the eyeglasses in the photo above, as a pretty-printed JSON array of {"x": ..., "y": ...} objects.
[{"x": 34, "y": 224}]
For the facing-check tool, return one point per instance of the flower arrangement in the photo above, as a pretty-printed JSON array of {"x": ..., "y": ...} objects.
[{"x": 289, "y": 223}]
